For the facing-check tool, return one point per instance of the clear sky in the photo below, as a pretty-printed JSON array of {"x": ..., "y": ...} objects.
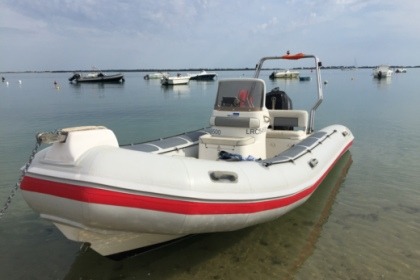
[{"x": 127, "y": 34}]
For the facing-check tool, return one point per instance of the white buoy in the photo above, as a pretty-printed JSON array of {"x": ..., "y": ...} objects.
[{"x": 20, "y": 82}]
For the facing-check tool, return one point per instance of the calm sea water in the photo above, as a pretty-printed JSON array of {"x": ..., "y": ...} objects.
[{"x": 362, "y": 223}]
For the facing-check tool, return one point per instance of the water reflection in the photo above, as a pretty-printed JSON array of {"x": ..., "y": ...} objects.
[
  {"x": 95, "y": 89},
  {"x": 282, "y": 83},
  {"x": 177, "y": 89},
  {"x": 203, "y": 85},
  {"x": 273, "y": 250},
  {"x": 382, "y": 83}
]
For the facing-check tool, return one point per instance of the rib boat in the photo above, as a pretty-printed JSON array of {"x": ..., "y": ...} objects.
[
  {"x": 258, "y": 160},
  {"x": 96, "y": 77}
]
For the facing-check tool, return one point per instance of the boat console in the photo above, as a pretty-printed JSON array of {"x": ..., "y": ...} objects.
[{"x": 239, "y": 121}]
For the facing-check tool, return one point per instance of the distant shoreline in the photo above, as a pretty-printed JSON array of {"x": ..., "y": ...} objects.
[{"x": 196, "y": 69}]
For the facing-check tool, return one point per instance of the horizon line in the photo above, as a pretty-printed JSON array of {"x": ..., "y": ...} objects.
[{"x": 193, "y": 69}]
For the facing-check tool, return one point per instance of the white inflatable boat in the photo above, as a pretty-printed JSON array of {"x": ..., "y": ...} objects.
[{"x": 257, "y": 161}]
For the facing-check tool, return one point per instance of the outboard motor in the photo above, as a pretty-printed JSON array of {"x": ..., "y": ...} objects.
[
  {"x": 75, "y": 76},
  {"x": 277, "y": 99}
]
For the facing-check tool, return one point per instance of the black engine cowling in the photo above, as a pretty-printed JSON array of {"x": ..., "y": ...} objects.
[
  {"x": 75, "y": 76},
  {"x": 277, "y": 99}
]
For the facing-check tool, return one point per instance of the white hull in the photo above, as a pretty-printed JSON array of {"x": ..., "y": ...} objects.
[
  {"x": 287, "y": 74},
  {"x": 156, "y": 76},
  {"x": 181, "y": 80},
  {"x": 146, "y": 198},
  {"x": 203, "y": 76},
  {"x": 382, "y": 71},
  {"x": 121, "y": 198}
]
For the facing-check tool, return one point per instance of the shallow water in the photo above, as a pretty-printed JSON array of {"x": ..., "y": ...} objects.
[{"x": 360, "y": 224}]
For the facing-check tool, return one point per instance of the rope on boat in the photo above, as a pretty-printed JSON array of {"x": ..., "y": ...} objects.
[
  {"x": 52, "y": 137},
  {"x": 41, "y": 138}
]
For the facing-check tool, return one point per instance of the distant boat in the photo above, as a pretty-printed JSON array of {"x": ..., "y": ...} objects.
[
  {"x": 203, "y": 76},
  {"x": 156, "y": 75},
  {"x": 305, "y": 78},
  {"x": 382, "y": 71},
  {"x": 284, "y": 74},
  {"x": 97, "y": 77},
  {"x": 400, "y": 70},
  {"x": 175, "y": 80}
]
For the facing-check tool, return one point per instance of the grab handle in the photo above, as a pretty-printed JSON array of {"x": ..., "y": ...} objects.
[{"x": 223, "y": 176}]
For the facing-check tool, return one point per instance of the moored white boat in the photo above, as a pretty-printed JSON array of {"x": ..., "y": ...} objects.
[
  {"x": 156, "y": 75},
  {"x": 175, "y": 80},
  {"x": 203, "y": 76},
  {"x": 382, "y": 71},
  {"x": 284, "y": 74},
  {"x": 121, "y": 198}
]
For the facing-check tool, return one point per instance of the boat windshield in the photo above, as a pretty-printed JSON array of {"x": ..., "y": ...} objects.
[{"x": 240, "y": 95}]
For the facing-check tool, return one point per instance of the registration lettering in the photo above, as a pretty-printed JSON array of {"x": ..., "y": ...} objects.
[{"x": 256, "y": 130}]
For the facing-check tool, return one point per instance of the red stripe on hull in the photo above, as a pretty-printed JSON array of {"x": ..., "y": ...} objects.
[
  {"x": 108, "y": 197},
  {"x": 188, "y": 207}
]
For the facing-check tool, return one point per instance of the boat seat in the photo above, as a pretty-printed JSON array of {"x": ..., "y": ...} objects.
[
  {"x": 235, "y": 122},
  {"x": 226, "y": 141},
  {"x": 286, "y": 134},
  {"x": 287, "y": 124}
]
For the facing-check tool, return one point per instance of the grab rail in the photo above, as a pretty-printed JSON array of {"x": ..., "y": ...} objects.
[{"x": 318, "y": 65}]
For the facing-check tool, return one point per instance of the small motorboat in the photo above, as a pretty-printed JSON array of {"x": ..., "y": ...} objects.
[
  {"x": 258, "y": 160},
  {"x": 175, "y": 80},
  {"x": 284, "y": 74},
  {"x": 96, "y": 77},
  {"x": 157, "y": 75},
  {"x": 400, "y": 70},
  {"x": 382, "y": 71},
  {"x": 304, "y": 78},
  {"x": 203, "y": 76}
]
